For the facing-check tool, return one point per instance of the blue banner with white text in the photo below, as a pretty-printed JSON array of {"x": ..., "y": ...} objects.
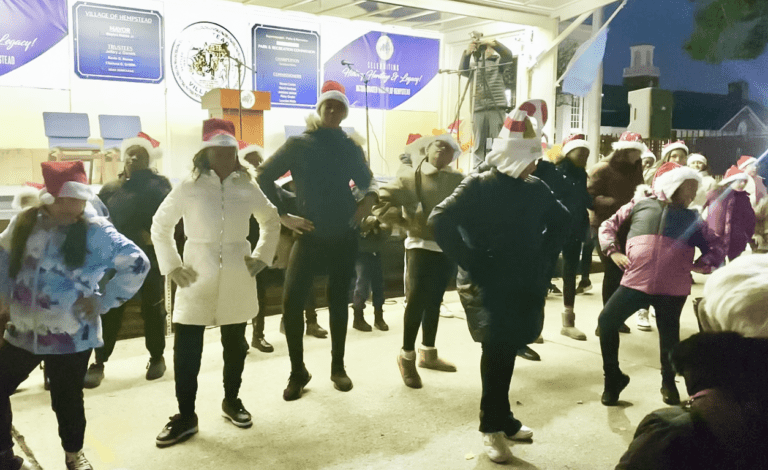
[{"x": 28, "y": 28}]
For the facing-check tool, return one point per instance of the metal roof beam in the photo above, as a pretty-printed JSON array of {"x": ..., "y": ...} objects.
[
  {"x": 409, "y": 17},
  {"x": 376, "y": 12},
  {"x": 577, "y": 7},
  {"x": 340, "y": 6},
  {"x": 507, "y": 15}
]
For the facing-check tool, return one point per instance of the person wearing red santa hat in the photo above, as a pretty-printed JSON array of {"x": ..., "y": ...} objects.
[
  {"x": 53, "y": 262},
  {"x": 755, "y": 184},
  {"x": 505, "y": 229},
  {"x": 729, "y": 213},
  {"x": 132, "y": 201},
  {"x": 699, "y": 163},
  {"x": 612, "y": 183},
  {"x": 649, "y": 166},
  {"x": 675, "y": 152},
  {"x": 657, "y": 269},
  {"x": 322, "y": 161},
  {"x": 215, "y": 278}
]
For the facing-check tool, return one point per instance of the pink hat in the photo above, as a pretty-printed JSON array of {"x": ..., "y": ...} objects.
[
  {"x": 573, "y": 142},
  {"x": 333, "y": 91},
  {"x": 218, "y": 133},
  {"x": 144, "y": 141},
  {"x": 64, "y": 179},
  {"x": 629, "y": 140},
  {"x": 512, "y": 152},
  {"x": 733, "y": 174},
  {"x": 668, "y": 148},
  {"x": 745, "y": 161},
  {"x": 246, "y": 148},
  {"x": 669, "y": 177}
]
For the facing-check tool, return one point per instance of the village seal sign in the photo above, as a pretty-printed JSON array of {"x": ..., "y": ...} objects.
[{"x": 200, "y": 59}]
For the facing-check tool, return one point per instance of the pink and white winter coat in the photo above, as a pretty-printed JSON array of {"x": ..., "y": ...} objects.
[{"x": 660, "y": 244}]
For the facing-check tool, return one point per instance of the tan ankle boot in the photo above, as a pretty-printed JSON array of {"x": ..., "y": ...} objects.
[
  {"x": 429, "y": 360},
  {"x": 408, "y": 371},
  {"x": 569, "y": 330}
]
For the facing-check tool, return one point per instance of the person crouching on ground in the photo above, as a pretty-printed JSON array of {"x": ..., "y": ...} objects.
[
  {"x": 415, "y": 192},
  {"x": 657, "y": 265},
  {"x": 215, "y": 285},
  {"x": 322, "y": 161},
  {"x": 52, "y": 258},
  {"x": 506, "y": 229}
]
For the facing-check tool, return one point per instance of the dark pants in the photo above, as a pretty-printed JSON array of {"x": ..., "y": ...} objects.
[
  {"x": 311, "y": 256},
  {"x": 66, "y": 373},
  {"x": 427, "y": 276},
  {"x": 262, "y": 280},
  {"x": 187, "y": 352},
  {"x": 622, "y": 305},
  {"x": 152, "y": 312},
  {"x": 496, "y": 366},
  {"x": 571, "y": 254},
  {"x": 585, "y": 267},
  {"x": 611, "y": 277},
  {"x": 370, "y": 278}
]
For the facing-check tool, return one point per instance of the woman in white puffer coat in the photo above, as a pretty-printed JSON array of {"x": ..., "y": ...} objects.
[{"x": 215, "y": 278}]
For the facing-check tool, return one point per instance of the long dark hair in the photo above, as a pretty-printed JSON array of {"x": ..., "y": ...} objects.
[
  {"x": 201, "y": 164},
  {"x": 74, "y": 246}
]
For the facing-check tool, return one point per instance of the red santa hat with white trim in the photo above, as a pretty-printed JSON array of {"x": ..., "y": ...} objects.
[
  {"x": 333, "y": 90},
  {"x": 420, "y": 145},
  {"x": 745, "y": 161},
  {"x": 648, "y": 154},
  {"x": 219, "y": 133},
  {"x": 512, "y": 152},
  {"x": 696, "y": 157},
  {"x": 144, "y": 141},
  {"x": 27, "y": 196},
  {"x": 64, "y": 179},
  {"x": 246, "y": 148},
  {"x": 679, "y": 145},
  {"x": 733, "y": 174},
  {"x": 629, "y": 140},
  {"x": 669, "y": 177},
  {"x": 573, "y": 142}
]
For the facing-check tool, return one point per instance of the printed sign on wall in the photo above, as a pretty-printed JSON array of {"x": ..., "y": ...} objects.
[
  {"x": 287, "y": 64},
  {"x": 204, "y": 56},
  {"x": 29, "y": 28},
  {"x": 118, "y": 43},
  {"x": 396, "y": 66}
]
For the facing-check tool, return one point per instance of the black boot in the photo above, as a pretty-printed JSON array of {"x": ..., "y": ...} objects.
[
  {"x": 359, "y": 323},
  {"x": 669, "y": 392},
  {"x": 614, "y": 384},
  {"x": 378, "y": 320}
]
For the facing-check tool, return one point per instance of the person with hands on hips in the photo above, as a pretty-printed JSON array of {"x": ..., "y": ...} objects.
[
  {"x": 215, "y": 278},
  {"x": 52, "y": 259}
]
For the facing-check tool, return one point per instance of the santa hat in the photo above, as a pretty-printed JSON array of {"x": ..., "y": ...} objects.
[
  {"x": 411, "y": 139},
  {"x": 218, "y": 133},
  {"x": 629, "y": 140},
  {"x": 333, "y": 91},
  {"x": 668, "y": 148},
  {"x": 144, "y": 141},
  {"x": 696, "y": 157},
  {"x": 733, "y": 174},
  {"x": 669, "y": 177},
  {"x": 573, "y": 142},
  {"x": 734, "y": 298},
  {"x": 745, "y": 161},
  {"x": 648, "y": 154},
  {"x": 420, "y": 145},
  {"x": 29, "y": 190},
  {"x": 64, "y": 179},
  {"x": 512, "y": 152},
  {"x": 245, "y": 149}
]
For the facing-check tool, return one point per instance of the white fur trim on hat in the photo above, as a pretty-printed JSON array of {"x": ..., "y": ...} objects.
[
  {"x": 732, "y": 178},
  {"x": 154, "y": 152},
  {"x": 747, "y": 162},
  {"x": 734, "y": 298},
  {"x": 221, "y": 140},
  {"x": 696, "y": 157},
  {"x": 25, "y": 193},
  {"x": 665, "y": 185},
  {"x": 574, "y": 144},
  {"x": 625, "y": 144},
  {"x": 71, "y": 189},
  {"x": 333, "y": 95},
  {"x": 673, "y": 146},
  {"x": 420, "y": 145},
  {"x": 250, "y": 149},
  {"x": 648, "y": 154}
]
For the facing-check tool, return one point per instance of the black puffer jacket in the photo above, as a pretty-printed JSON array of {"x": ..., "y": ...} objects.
[
  {"x": 569, "y": 184},
  {"x": 506, "y": 233}
]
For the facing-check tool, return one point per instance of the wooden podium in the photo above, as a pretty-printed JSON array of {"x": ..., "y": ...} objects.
[{"x": 225, "y": 104}]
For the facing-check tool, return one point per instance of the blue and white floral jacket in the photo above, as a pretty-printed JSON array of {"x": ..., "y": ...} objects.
[{"x": 42, "y": 295}]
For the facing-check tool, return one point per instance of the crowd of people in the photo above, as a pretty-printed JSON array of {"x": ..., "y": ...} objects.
[{"x": 68, "y": 264}]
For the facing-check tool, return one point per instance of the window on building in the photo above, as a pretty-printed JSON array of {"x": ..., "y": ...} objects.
[
  {"x": 576, "y": 114},
  {"x": 742, "y": 129}
]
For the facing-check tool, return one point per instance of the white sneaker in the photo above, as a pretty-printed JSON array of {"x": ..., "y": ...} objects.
[
  {"x": 524, "y": 434},
  {"x": 76, "y": 461},
  {"x": 643, "y": 322},
  {"x": 496, "y": 447},
  {"x": 445, "y": 311}
]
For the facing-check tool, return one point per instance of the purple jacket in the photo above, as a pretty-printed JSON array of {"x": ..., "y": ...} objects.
[
  {"x": 660, "y": 246},
  {"x": 731, "y": 217}
]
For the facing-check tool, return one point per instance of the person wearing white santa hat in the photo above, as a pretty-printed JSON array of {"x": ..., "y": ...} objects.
[
  {"x": 657, "y": 269},
  {"x": 699, "y": 163},
  {"x": 322, "y": 161},
  {"x": 505, "y": 229},
  {"x": 675, "y": 152},
  {"x": 729, "y": 212},
  {"x": 132, "y": 201},
  {"x": 61, "y": 252},
  {"x": 215, "y": 279}
]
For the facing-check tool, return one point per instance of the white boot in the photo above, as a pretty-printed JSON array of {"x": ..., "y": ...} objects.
[
  {"x": 643, "y": 322},
  {"x": 496, "y": 447}
]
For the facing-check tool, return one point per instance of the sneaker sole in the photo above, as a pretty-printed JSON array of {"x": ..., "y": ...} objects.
[
  {"x": 524, "y": 438},
  {"x": 182, "y": 437},
  {"x": 237, "y": 423}
]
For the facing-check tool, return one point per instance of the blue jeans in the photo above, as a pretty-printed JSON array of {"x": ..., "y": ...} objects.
[{"x": 370, "y": 277}]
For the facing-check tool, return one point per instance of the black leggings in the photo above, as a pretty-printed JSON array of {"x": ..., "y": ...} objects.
[
  {"x": 611, "y": 277},
  {"x": 571, "y": 255},
  {"x": 428, "y": 273},
  {"x": 188, "y": 350}
]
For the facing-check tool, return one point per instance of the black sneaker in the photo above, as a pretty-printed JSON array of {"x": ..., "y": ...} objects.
[
  {"x": 296, "y": 383},
  {"x": 341, "y": 380},
  {"x": 612, "y": 389},
  {"x": 314, "y": 329},
  {"x": 178, "y": 429},
  {"x": 583, "y": 287},
  {"x": 155, "y": 368},
  {"x": 94, "y": 375},
  {"x": 236, "y": 412},
  {"x": 554, "y": 289},
  {"x": 528, "y": 353}
]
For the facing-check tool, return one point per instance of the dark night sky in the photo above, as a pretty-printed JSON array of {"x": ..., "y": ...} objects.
[{"x": 667, "y": 24}]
